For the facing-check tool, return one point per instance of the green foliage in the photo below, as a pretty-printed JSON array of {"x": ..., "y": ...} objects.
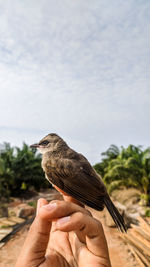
[
  {"x": 114, "y": 185},
  {"x": 20, "y": 169},
  {"x": 145, "y": 198},
  {"x": 32, "y": 204},
  {"x": 5, "y": 226},
  {"x": 99, "y": 167},
  {"x": 147, "y": 213},
  {"x": 129, "y": 167}
]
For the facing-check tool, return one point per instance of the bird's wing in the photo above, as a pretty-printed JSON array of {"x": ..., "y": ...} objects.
[{"x": 78, "y": 179}]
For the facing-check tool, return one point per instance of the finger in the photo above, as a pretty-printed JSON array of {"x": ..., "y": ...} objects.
[
  {"x": 73, "y": 200},
  {"x": 63, "y": 209},
  {"x": 90, "y": 227},
  {"x": 80, "y": 234},
  {"x": 41, "y": 202},
  {"x": 60, "y": 209},
  {"x": 35, "y": 245}
]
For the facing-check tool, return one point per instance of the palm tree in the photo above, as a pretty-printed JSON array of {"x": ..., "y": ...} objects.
[
  {"x": 27, "y": 166},
  {"x": 129, "y": 167},
  {"x": 111, "y": 153},
  {"x": 20, "y": 168},
  {"x": 6, "y": 171}
]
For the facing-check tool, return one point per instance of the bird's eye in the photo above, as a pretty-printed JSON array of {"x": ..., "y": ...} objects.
[{"x": 44, "y": 143}]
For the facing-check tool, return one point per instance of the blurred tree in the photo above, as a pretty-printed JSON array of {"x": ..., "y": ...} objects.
[
  {"x": 20, "y": 169},
  {"x": 129, "y": 167}
]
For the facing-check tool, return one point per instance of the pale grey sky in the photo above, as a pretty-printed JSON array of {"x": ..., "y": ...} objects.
[{"x": 77, "y": 68}]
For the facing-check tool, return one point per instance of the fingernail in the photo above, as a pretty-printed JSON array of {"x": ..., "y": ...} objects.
[
  {"x": 40, "y": 203},
  {"x": 62, "y": 220},
  {"x": 50, "y": 206}
]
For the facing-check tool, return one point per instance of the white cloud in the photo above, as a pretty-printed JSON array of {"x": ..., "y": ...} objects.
[{"x": 77, "y": 68}]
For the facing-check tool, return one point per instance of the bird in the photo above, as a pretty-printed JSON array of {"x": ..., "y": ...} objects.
[{"x": 72, "y": 174}]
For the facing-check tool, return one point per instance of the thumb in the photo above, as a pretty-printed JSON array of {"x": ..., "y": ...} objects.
[
  {"x": 34, "y": 249},
  {"x": 68, "y": 198}
]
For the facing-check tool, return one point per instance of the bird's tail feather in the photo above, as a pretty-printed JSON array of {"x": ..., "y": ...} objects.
[{"x": 118, "y": 219}]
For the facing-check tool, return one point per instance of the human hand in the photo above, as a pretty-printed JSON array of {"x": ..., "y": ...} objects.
[{"x": 64, "y": 234}]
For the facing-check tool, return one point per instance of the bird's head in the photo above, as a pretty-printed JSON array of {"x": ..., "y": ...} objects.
[{"x": 49, "y": 143}]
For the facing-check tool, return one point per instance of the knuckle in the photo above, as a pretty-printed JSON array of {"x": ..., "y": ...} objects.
[
  {"x": 79, "y": 220},
  {"x": 88, "y": 213},
  {"x": 98, "y": 223},
  {"x": 55, "y": 201},
  {"x": 60, "y": 203},
  {"x": 62, "y": 206},
  {"x": 80, "y": 216}
]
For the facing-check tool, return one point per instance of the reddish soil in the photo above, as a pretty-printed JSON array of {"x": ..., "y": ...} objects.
[{"x": 119, "y": 254}]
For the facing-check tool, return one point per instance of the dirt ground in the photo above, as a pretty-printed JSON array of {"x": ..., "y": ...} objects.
[{"x": 119, "y": 254}]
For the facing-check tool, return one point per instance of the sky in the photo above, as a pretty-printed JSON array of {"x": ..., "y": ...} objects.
[{"x": 80, "y": 69}]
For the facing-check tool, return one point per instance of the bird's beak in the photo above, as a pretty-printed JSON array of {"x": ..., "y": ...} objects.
[{"x": 34, "y": 146}]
